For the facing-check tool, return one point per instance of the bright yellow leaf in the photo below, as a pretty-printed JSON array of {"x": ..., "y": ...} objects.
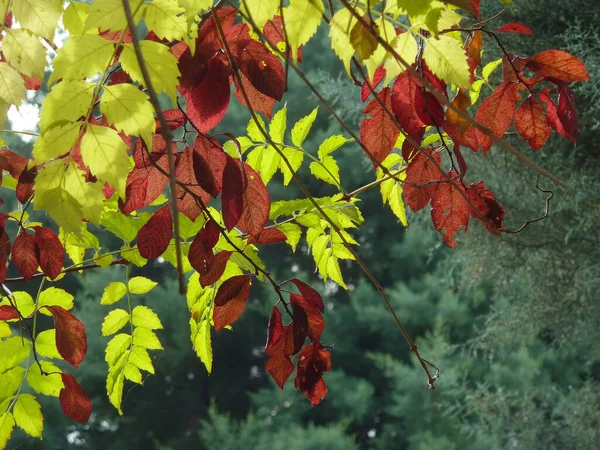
[
  {"x": 40, "y": 16},
  {"x": 28, "y": 415},
  {"x": 24, "y": 52},
  {"x": 12, "y": 86},
  {"x": 302, "y": 18},
  {"x": 447, "y": 60},
  {"x": 82, "y": 57},
  {"x": 166, "y": 18},
  {"x": 67, "y": 101}
]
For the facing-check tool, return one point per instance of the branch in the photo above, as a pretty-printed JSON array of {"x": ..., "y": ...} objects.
[
  {"x": 118, "y": 262},
  {"x": 167, "y": 135}
]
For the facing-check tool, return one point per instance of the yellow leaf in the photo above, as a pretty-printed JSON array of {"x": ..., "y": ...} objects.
[
  {"x": 105, "y": 153},
  {"x": 56, "y": 142},
  {"x": 339, "y": 30},
  {"x": 259, "y": 11},
  {"x": 28, "y": 415},
  {"x": 141, "y": 285},
  {"x": 49, "y": 384},
  {"x": 387, "y": 33},
  {"x": 302, "y": 18},
  {"x": 24, "y": 52},
  {"x": 54, "y": 296},
  {"x": 132, "y": 373},
  {"x": 405, "y": 46},
  {"x": 12, "y": 86},
  {"x": 128, "y": 109},
  {"x": 166, "y": 18},
  {"x": 326, "y": 170},
  {"x": 7, "y": 423},
  {"x": 82, "y": 57},
  {"x": 89, "y": 195},
  {"x": 110, "y": 15},
  {"x": 113, "y": 293},
  {"x": 114, "y": 321},
  {"x": 140, "y": 357},
  {"x": 363, "y": 38},
  {"x": 146, "y": 318},
  {"x": 194, "y": 7},
  {"x": 75, "y": 16},
  {"x": 67, "y": 101},
  {"x": 203, "y": 345},
  {"x": 146, "y": 338},
  {"x": 161, "y": 64},
  {"x": 40, "y": 16},
  {"x": 447, "y": 60},
  {"x": 45, "y": 344}
]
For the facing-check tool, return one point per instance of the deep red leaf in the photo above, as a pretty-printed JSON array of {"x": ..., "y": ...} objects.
[
  {"x": 257, "y": 204},
  {"x": 5, "y": 247},
  {"x": 379, "y": 132},
  {"x": 422, "y": 175},
  {"x": 25, "y": 255},
  {"x": 201, "y": 255},
  {"x": 552, "y": 114},
  {"x": 261, "y": 67},
  {"x": 514, "y": 27},
  {"x": 154, "y": 237},
  {"x": 450, "y": 210},
  {"x": 228, "y": 312},
  {"x": 268, "y": 236},
  {"x": 187, "y": 199},
  {"x": 260, "y": 102},
  {"x": 558, "y": 64},
  {"x": 300, "y": 326},
  {"x": 25, "y": 185},
  {"x": 312, "y": 362},
  {"x": 314, "y": 318},
  {"x": 207, "y": 103},
  {"x": 12, "y": 162},
  {"x": 531, "y": 123},
  {"x": 378, "y": 77},
  {"x": 275, "y": 328},
  {"x": 428, "y": 108},
  {"x": 403, "y": 105},
  {"x": 232, "y": 198},
  {"x": 51, "y": 252},
  {"x": 8, "y": 312},
  {"x": 74, "y": 402},
  {"x": 279, "y": 364},
  {"x": 487, "y": 206},
  {"x": 174, "y": 118},
  {"x": 216, "y": 269},
  {"x": 231, "y": 288},
  {"x": 311, "y": 295},
  {"x": 496, "y": 113},
  {"x": 70, "y": 335},
  {"x": 32, "y": 83},
  {"x": 205, "y": 176},
  {"x": 567, "y": 114}
]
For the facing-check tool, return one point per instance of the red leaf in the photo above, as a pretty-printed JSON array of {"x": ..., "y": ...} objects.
[
  {"x": 207, "y": 103},
  {"x": 231, "y": 288},
  {"x": 496, "y": 113},
  {"x": 70, "y": 335},
  {"x": 312, "y": 362},
  {"x": 450, "y": 210},
  {"x": 567, "y": 114},
  {"x": 421, "y": 177},
  {"x": 188, "y": 199},
  {"x": 12, "y": 162},
  {"x": 428, "y": 108},
  {"x": 174, "y": 118},
  {"x": 154, "y": 237},
  {"x": 204, "y": 175},
  {"x": 531, "y": 123},
  {"x": 232, "y": 309},
  {"x": 485, "y": 203},
  {"x": 261, "y": 67},
  {"x": 379, "y": 132},
  {"x": 25, "y": 255},
  {"x": 403, "y": 105},
  {"x": 25, "y": 185},
  {"x": 232, "y": 198},
  {"x": 316, "y": 324},
  {"x": 74, "y": 402},
  {"x": 32, "y": 83},
  {"x": 279, "y": 365},
  {"x": 259, "y": 101},
  {"x": 216, "y": 269},
  {"x": 378, "y": 77},
  {"x": 275, "y": 328},
  {"x": 474, "y": 49},
  {"x": 311, "y": 295},
  {"x": 5, "y": 248},
  {"x": 201, "y": 251},
  {"x": 515, "y": 27},
  {"x": 8, "y": 312},
  {"x": 300, "y": 326},
  {"x": 268, "y": 236},
  {"x": 558, "y": 64},
  {"x": 51, "y": 252},
  {"x": 257, "y": 204}
]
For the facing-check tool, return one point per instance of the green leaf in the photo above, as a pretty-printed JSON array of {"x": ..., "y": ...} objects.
[
  {"x": 75, "y": 16},
  {"x": 49, "y": 384},
  {"x": 302, "y": 127},
  {"x": 128, "y": 109},
  {"x": 45, "y": 344},
  {"x": 113, "y": 293},
  {"x": 114, "y": 321},
  {"x": 203, "y": 346},
  {"x": 57, "y": 141},
  {"x": 292, "y": 232},
  {"x": 114, "y": 388},
  {"x": 161, "y": 64},
  {"x": 331, "y": 144},
  {"x": 166, "y": 18},
  {"x": 105, "y": 153},
  {"x": 28, "y": 415},
  {"x": 140, "y": 357},
  {"x": 146, "y": 338},
  {"x": 326, "y": 170},
  {"x": 278, "y": 125},
  {"x": 141, "y": 285},
  {"x": 40, "y": 16},
  {"x": 12, "y": 86},
  {"x": 24, "y": 52},
  {"x": 295, "y": 158},
  {"x": 54, "y": 297},
  {"x": 132, "y": 373},
  {"x": 447, "y": 60},
  {"x": 253, "y": 129},
  {"x": 10, "y": 382},
  {"x": 7, "y": 423},
  {"x": 489, "y": 68},
  {"x": 302, "y": 18},
  {"x": 405, "y": 45},
  {"x": 122, "y": 226},
  {"x": 339, "y": 30},
  {"x": 260, "y": 12},
  {"x": 82, "y": 57},
  {"x": 110, "y": 15},
  {"x": 146, "y": 318},
  {"x": 117, "y": 346}
]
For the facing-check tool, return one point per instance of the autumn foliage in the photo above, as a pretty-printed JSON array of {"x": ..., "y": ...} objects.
[{"x": 109, "y": 156}]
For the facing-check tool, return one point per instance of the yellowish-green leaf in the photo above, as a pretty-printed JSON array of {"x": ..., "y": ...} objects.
[
  {"x": 7, "y": 423},
  {"x": 489, "y": 68},
  {"x": 117, "y": 346},
  {"x": 24, "y": 52},
  {"x": 302, "y": 18},
  {"x": 331, "y": 144},
  {"x": 82, "y": 56},
  {"x": 333, "y": 270},
  {"x": 128, "y": 109},
  {"x": 61, "y": 206},
  {"x": 295, "y": 158},
  {"x": 45, "y": 344},
  {"x": 363, "y": 38},
  {"x": 110, "y": 15},
  {"x": 260, "y": 12},
  {"x": 292, "y": 233},
  {"x": 28, "y": 415},
  {"x": 54, "y": 296},
  {"x": 114, "y": 321},
  {"x": 415, "y": 7},
  {"x": 56, "y": 142},
  {"x": 387, "y": 33},
  {"x": 141, "y": 285},
  {"x": 447, "y": 60},
  {"x": 339, "y": 30},
  {"x": 146, "y": 338},
  {"x": 23, "y": 302},
  {"x": 278, "y": 125},
  {"x": 114, "y": 388},
  {"x": 75, "y": 16},
  {"x": 162, "y": 67},
  {"x": 122, "y": 226},
  {"x": 10, "y": 382},
  {"x": 254, "y": 130},
  {"x": 302, "y": 127},
  {"x": 12, "y": 86},
  {"x": 113, "y": 293},
  {"x": 4, "y": 105},
  {"x": 5, "y": 330},
  {"x": 146, "y": 318},
  {"x": 166, "y": 18},
  {"x": 105, "y": 153},
  {"x": 132, "y": 373},
  {"x": 326, "y": 170},
  {"x": 140, "y": 357},
  {"x": 133, "y": 255},
  {"x": 67, "y": 101},
  {"x": 40, "y": 16},
  {"x": 203, "y": 345},
  {"x": 195, "y": 7},
  {"x": 405, "y": 46},
  {"x": 49, "y": 384},
  {"x": 90, "y": 196}
]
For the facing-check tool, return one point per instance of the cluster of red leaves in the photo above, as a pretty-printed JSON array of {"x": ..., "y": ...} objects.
[{"x": 409, "y": 108}]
